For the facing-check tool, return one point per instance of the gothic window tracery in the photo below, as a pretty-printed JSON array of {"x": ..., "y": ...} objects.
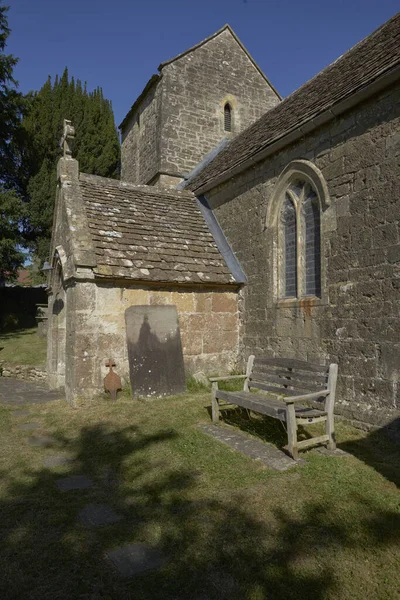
[{"x": 300, "y": 232}]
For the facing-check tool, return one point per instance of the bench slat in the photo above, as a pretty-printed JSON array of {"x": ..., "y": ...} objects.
[
  {"x": 279, "y": 390},
  {"x": 284, "y": 381},
  {"x": 292, "y": 363},
  {"x": 309, "y": 377},
  {"x": 265, "y": 405}
]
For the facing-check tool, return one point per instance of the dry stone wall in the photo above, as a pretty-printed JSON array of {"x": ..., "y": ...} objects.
[
  {"x": 357, "y": 323},
  {"x": 27, "y": 372}
]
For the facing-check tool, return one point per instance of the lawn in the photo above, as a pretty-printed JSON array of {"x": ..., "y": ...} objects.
[
  {"x": 23, "y": 347},
  {"x": 228, "y": 527}
]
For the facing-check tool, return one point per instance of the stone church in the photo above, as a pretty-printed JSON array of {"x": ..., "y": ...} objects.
[{"x": 273, "y": 225}]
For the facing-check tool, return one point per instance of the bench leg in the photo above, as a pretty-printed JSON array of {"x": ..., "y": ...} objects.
[
  {"x": 330, "y": 430},
  {"x": 214, "y": 402},
  {"x": 292, "y": 431}
]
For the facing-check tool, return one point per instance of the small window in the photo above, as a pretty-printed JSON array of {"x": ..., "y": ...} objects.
[{"x": 227, "y": 117}]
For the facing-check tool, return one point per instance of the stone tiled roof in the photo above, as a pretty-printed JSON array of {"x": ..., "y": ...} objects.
[
  {"x": 147, "y": 234},
  {"x": 374, "y": 56}
]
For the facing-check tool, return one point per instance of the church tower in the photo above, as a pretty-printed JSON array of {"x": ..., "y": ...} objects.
[{"x": 209, "y": 93}]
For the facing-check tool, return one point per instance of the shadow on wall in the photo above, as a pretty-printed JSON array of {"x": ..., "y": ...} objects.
[
  {"x": 156, "y": 366},
  {"x": 215, "y": 549}
]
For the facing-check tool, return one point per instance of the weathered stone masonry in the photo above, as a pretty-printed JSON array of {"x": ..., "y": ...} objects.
[
  {"x": 96, "y": 313},
  {"x": 358, "y": 322},
  {"x": 180, "y": 117}
]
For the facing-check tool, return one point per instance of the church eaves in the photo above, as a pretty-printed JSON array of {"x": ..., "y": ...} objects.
[{"x": 373, "y": 61}]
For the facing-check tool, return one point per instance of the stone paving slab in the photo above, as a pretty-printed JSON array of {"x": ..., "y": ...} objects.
[
  {"x": 134, "y": 559},
  {"x": 56, "y": 461},
  {"x": 96, "y": 515},
  {"x": 21, "y": 413},
  {"x": 17, "y": 392},
  {"x": 270, "y": 456},
  {"x": 28, "y": 426},
  {"x": 43, "y": 441},
  {"x": 74, "y": 482}
]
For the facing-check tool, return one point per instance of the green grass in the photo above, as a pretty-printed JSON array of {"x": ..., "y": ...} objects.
[
  {"x": 229, "y": 527},
  {"x": 23, "y": 347}
]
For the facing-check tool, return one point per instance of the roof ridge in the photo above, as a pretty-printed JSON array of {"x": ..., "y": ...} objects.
[{"x": 147, "y": 189}]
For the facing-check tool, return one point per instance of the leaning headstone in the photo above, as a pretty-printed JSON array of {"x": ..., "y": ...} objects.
[
  {"x": 134, "y": 559},
  {"x": 75, "y": 482},
  {"x": 96, "y": 515},
  {"x": 154, "y": 351}
]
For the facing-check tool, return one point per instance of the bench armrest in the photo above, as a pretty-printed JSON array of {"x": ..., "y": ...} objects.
[
  {"x": 212, "y": 379},
  {"x": 304, "y": 397}
]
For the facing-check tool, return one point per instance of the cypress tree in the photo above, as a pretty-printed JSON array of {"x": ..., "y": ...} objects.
[
  {"x": 11, "y": 208},
  {"x": 96, "y": 147}
]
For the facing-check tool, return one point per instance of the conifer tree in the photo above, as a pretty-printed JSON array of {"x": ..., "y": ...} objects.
[
  {"x": 11, "y": 106},
  {"x": 96, "y": 147}
]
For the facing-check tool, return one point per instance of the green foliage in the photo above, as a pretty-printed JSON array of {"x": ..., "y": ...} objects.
[
  {"x": 11, "y": 258},
  {"x": 11, "y": 213},
  {"x": 96, "y": 147}
]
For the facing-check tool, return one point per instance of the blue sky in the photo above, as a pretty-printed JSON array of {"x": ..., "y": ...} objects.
[{"x": 118, "y": 44}]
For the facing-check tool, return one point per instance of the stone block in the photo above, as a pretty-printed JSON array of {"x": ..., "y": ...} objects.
[
  {"x": 224, "y": 302},
  {"x": 217, "y": 341},
  {"x": 192, "y": 342},
  {"x": 184, "y": 301},
  {"x": 108, "y": 300},
  {"x": 160, "y": 297},
  {"x": 134, "y": 297},
  {"x": 135, "y": 559},
  {"x": 75, "y": 482},
  {"x": 85, "y": 296},
  {"x": 98, "y": 515},
  {"x": 203, "y": 302}
]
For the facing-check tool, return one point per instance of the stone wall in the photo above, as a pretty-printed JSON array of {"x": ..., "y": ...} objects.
[
  {"x": 195, "y": 90},
  {"x": 27, "y": 372},
  {"x": 181, "y": 118},
  {"x": 140, "y": 151},
  {"x": 96, "y": 331},
  {"x": 357, "y": 322}
]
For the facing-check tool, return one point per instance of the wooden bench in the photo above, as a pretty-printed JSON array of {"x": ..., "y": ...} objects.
[{"x": 288, "y": 382}]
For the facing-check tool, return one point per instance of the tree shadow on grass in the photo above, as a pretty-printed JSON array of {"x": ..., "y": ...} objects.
[
  {"x": 379, "y": 449},
  {"x": 213, "y": 548}
]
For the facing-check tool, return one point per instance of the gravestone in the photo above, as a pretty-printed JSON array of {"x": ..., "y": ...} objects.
[{"x": 155, "y": 351}]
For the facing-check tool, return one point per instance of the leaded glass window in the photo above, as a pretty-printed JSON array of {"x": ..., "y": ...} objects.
[
  {"x": 300, "y": 264},
  {"x": 290, "y": 250}
]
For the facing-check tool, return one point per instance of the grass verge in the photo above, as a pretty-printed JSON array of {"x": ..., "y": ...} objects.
[{"x": 23, "y": 347}]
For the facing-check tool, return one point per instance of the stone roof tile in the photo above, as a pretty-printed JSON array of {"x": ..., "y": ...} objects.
[{"x": 148, "y": 234}]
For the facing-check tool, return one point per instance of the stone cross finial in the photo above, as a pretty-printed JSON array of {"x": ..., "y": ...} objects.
[{"x": 67, "y": 138}]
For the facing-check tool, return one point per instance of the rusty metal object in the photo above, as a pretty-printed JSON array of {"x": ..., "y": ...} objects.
[{"x": 112, "y": 381}]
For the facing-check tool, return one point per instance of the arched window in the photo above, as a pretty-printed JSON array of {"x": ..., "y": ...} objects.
[
  {"x": 300, "y": 235},
  {"x": 227, "y": 117}
]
